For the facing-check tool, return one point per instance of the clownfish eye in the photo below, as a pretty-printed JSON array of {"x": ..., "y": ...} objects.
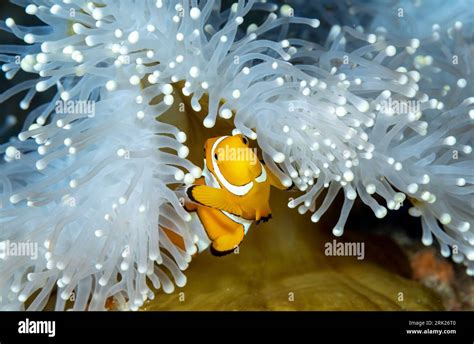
[
  {"x": 244, "y": 139},
  {"x": 216, "y": 156}
]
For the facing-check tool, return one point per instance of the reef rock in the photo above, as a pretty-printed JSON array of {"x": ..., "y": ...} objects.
[{"x": 281, "y": 265}]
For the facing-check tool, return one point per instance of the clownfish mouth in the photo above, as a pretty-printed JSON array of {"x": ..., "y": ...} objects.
[{"x": 238, "y": 190}]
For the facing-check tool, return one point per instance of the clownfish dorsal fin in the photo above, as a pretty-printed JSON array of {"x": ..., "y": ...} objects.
[{"x": 214, "y": 198}]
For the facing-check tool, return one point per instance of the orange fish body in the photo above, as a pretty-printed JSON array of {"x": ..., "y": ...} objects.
[{"x": 233, "y": 192}]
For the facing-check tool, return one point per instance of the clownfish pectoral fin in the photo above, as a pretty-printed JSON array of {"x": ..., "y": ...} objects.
[
  {"x": 214, "y": 198},
  {"x": 275, "y": 181}
]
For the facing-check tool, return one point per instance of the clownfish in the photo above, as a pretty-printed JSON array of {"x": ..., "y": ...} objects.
[{"x": 233, "y": 193}]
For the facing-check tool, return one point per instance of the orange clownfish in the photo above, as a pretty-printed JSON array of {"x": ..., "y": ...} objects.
[{"x": 232, "y": 193}]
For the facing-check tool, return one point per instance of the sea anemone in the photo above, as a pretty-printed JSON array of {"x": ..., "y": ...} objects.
[
  {"x": 89, "y": 176},
  {"x": 92, "y": 175},
  {"x": 371, "y": 123}
]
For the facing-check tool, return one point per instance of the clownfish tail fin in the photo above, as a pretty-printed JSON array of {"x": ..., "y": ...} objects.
[{"x": 218, "y": 253}]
